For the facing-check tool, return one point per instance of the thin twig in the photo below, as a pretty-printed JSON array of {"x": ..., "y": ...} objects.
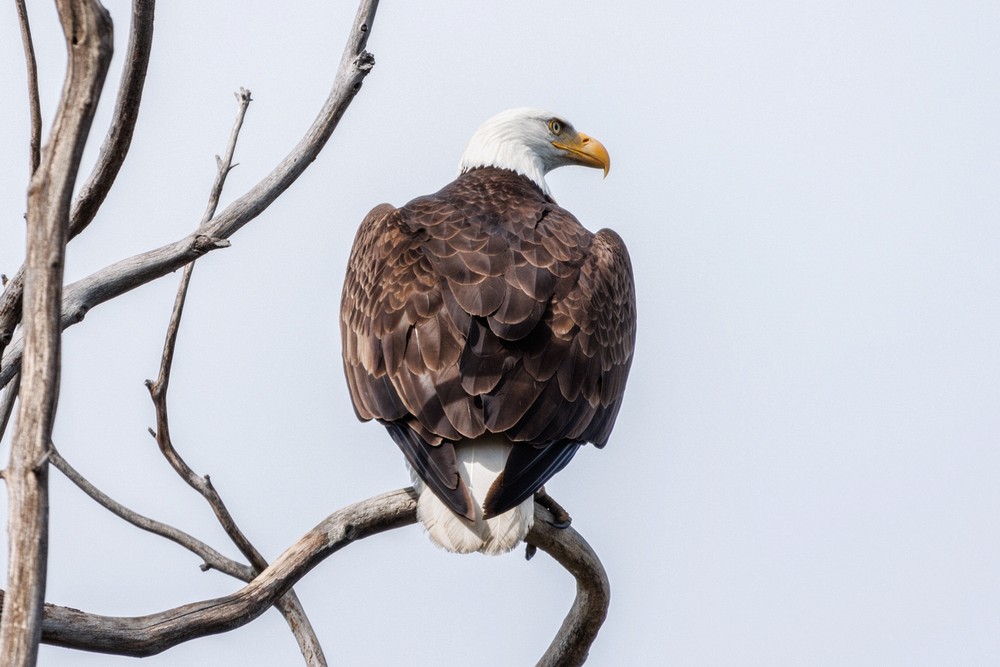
[
  {"x": 127, "y": 274},
  {"x": 158, "y": 389},
  {"x": 289, "y": 604},
  {"x": 225, "y": 164},
  {"x": 35, "y": 142},
  {"x": 203, "y": 485},
  {"x": 13, "y": 289},
  {"x": 212, "y": 558}
]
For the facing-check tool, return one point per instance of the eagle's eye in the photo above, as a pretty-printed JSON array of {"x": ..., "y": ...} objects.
[{"x": 555, "y": 127}]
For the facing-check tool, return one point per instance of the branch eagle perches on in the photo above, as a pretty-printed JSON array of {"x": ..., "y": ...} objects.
[
  {"x": 34, "y": 308},
  {"x": 148, "y": 635}
]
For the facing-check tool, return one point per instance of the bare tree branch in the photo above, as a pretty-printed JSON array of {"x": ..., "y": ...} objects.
[
  {"x": 118, "y": 139},
  {"x": 158, "y": 389},
  {"x": 35, "y": 107},
  {"x": 125, "y": 275},
  {"x": 225, "y": 164},
  {"x": 7, "y": 403},
  {"x": 152, "y": 634},
  {"x": 11, "y": 298},
  {"x": 212, "y": 558},
  {"x": 289, "y": 604},
  {"x": 148, "y": 635},
  {"x": 112, "y": 153},
  {"x": 87, "y": 28},
  {"x": 593, "y": 590}
]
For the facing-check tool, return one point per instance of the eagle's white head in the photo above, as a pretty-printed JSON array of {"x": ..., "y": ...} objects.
[{"x": 532, "y": 142}]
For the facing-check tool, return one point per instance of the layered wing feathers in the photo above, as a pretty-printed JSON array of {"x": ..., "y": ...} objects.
[{"x": 487, "y": 308}]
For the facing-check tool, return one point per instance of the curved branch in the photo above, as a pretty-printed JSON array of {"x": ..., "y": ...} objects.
[
  {"x": 147, "y": 635},
  {"x": 152, "y": 634},
  {"x": 593, "y": 590},
  {"x": 289, "y": 605},
  {"x": 125, "y": 275}
]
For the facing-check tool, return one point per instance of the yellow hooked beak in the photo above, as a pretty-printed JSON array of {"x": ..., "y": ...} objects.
[{"x": 586, "y": 151}]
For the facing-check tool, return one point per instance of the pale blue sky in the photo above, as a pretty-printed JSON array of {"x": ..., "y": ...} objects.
[{"x": 806, "y": 467}]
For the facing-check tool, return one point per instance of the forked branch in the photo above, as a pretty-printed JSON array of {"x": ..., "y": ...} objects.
[
  {"x": 113, "y": 150},
  {"x": 210, "y": 557},
  {"x": 288, "y": 604},
  {"x": 115, "y": 280}
]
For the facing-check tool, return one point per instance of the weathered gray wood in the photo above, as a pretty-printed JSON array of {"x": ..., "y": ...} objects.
[
  {"x": 593, "y": 591},
  {"x": 34, "y": 104},
  {"x": 288, "y": 604},
  {"x": 113, "y": 150},
  {"x": 147, "y": 635},
  {"x": 130, "y": 273},
  {"x": 211, "y": 558},
  {"x": 118, "y": 139},
  {"x": 87, "y": 28}
]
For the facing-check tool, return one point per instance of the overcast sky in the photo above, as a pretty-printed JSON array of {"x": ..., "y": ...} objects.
[{"x": 806, "y": 469}]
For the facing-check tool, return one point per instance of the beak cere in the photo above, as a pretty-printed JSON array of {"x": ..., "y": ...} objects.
[{"x": 586, "y": 151}]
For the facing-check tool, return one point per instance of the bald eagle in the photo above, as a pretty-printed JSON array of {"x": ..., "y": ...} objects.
[{"x": 489, "y": 331}]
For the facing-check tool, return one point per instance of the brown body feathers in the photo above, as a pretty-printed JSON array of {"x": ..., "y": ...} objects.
[{"x": 487, "y": 308}]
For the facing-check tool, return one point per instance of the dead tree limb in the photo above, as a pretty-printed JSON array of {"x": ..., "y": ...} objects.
[
  {"x": 142, "y": 636},
  {"x": 113, "y": 150},
  {"x": 152, "y": 634},
  {"x": 289, "y": 605},
  {"x": 88, "y": 32},
  {"x": 11, "y": 299},
  {"x": 593, "y": 590},
  {"x": 34, "y": 104},
  {"x": 211, "y": 559},
  {"x": 118, "y": 139},
  {"x": 127, "y": 274},
  {"x": 8, "y": 396}
]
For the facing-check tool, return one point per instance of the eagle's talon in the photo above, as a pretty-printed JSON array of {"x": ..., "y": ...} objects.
[{"x": 560, "y": 517}]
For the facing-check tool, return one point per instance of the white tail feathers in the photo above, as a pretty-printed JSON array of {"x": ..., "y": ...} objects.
[{"x": 479, "y": 463}]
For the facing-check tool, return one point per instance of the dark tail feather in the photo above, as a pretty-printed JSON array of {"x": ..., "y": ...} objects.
[
  {"x": 528, "y": 468},
  {"x": 436, "y": 466}
]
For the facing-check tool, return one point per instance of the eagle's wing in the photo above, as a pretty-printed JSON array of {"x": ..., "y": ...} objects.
[
  {"x": 576, "y": 365},
  {"x": 399, "y": 344}
]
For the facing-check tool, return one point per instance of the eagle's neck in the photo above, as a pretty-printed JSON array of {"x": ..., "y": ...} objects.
[{"x": 501, "y": 147}]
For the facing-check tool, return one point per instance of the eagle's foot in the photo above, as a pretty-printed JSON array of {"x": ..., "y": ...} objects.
[{"x": 560, "y": 517}]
